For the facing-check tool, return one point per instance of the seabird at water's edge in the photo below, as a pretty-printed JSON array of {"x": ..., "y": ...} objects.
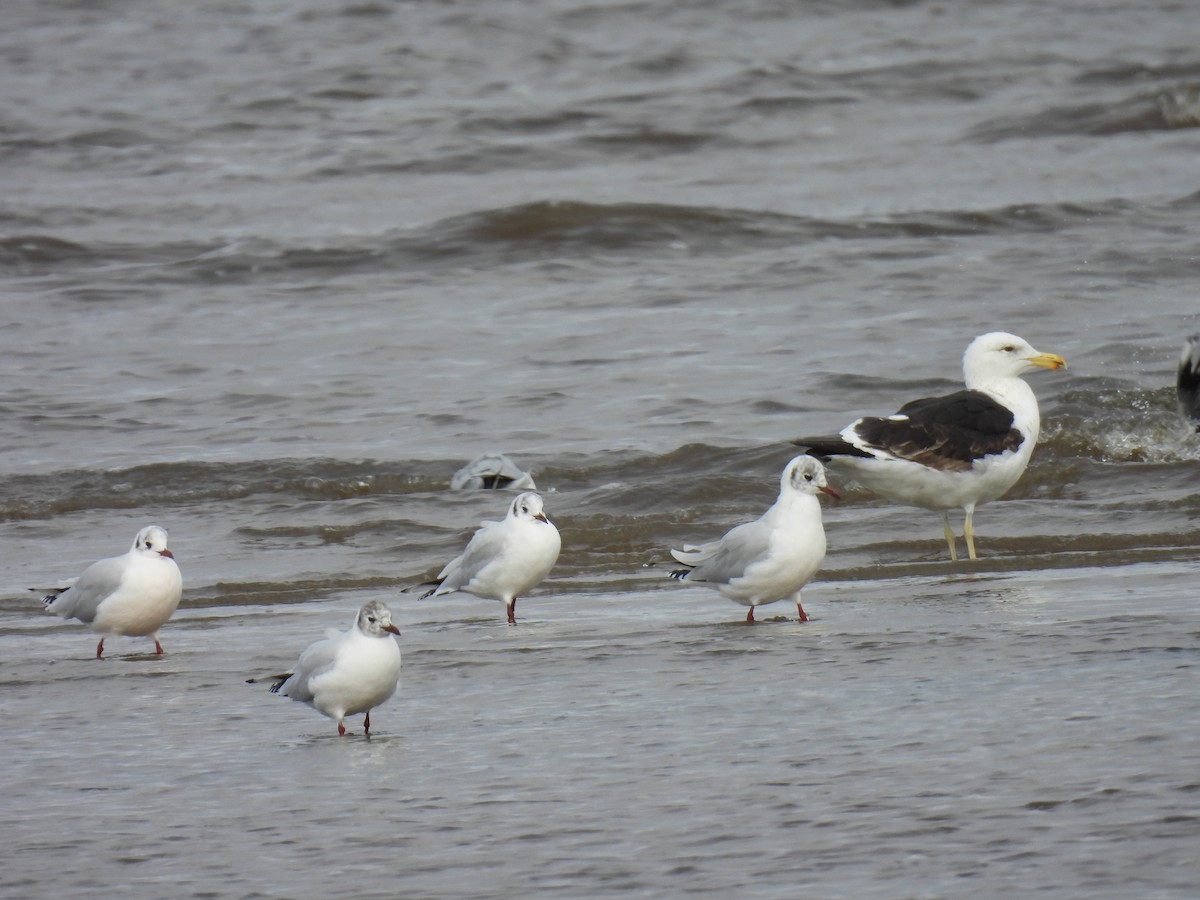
[
  {"x": 955, "y": 451},
  {"x": 492, "y": 471},
  {"x": 346, "y": 673},
  {"x": 503, "y": 559},
  {"x": 774, "y": 556},
  {"x": 1187, "y": 383},
  {"x": 132, "y": 595}
]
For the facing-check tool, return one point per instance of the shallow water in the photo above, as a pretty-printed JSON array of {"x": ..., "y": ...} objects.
[
  {"x": 920, "y": 737},
  {"x": 272, "y": 272}
]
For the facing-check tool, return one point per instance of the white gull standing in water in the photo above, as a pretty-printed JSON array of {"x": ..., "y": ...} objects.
[
  {"x": 130, "y": 595},
  {"x": 349, "y": 672},
  {"x": 773, "y": 557},
  {"x": 955, "y": 451},
  {"x": 504, "y": 559}
]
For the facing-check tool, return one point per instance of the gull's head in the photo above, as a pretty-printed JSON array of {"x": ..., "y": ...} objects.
[
  {"x": 375, "y": 620},
  {"x": 806, "y": 475},
  {"x": 152, "y": 539},
  {"x": 1002, "y": 355},
  {"x": 528, "y": 506}
]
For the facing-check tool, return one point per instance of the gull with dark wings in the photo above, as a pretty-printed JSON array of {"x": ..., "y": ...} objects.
[
  {"x": 1187, "y": 380},
  {"x": 955, "y": 451}
]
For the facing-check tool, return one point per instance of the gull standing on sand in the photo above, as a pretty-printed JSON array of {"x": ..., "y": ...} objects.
[
  {"x": 954, "y": 451},
  {"x": 130, "y": 595},
  {"x": 504, "y": 559},
  {"x": 349, "y": 672},
  {"x": 773, "y": 557}
]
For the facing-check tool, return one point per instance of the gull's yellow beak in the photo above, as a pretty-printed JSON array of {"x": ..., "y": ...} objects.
[{"x": 1047, "y": 361}]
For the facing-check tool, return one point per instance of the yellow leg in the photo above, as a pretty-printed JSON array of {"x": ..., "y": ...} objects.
[
  {"x": 969, "y": 531},
  {"x": 949, "y": 532}
]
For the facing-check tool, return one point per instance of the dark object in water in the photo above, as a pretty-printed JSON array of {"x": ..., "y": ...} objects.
[{"x": 1187, "y": 383}]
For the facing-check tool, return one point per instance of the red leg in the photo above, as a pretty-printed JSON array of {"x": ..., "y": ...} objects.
[
  {"x": 341, "y": 728},
  {"x": 100, "y": 648},
  {"x": 512, "y": 611},
  {"x": 158, "y": 647},
  {"x": 800, "y": 610},
  {"x": 750, "y": 614},
  {"x": 367, "y": 723}
]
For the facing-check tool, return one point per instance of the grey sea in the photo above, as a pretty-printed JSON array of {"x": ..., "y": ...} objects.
[{"x": 271, "y": 272}]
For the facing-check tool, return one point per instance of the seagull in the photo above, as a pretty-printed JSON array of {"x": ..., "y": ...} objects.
[
  {"x": 131, "y": 595},
  {"x": 349, "y": 672},
  {"x": 955, "y": 451},
  {"x": 492, "y": 471},
  {"x": 773, "y": 557},
  {"x": 504, "y": 559},
  {"x": 1187, "y": 383}
]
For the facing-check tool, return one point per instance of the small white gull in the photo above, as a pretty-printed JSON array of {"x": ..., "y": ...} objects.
[
  {"x": 492, "y": 471},
  {"x": 504, "y": 559},
  {"x": 773, "y": 557},
  {"x": 954, "y": 451},
  {"x": 349, "y": 672},
  {"x": 130, "y": 595}
]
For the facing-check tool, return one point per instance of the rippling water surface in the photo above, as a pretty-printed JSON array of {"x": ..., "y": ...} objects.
[{"x": 273, "y": 271}]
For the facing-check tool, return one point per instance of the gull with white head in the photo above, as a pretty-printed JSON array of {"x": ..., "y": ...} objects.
[
  {"x": 505, "y": 559},
  {"x": 133, "y": 594},
  {"x": 349, "y": 672},
  {"x": 773, "y": 557},
  {"x": 954, "y": 451}
]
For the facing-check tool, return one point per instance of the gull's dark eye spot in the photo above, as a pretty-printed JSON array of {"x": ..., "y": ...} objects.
[
  {"x": 808, "y": 478},
  {"x": 1008, "y": 349}
]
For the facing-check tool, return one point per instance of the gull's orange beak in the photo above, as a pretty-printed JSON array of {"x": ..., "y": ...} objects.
[{"x": 1047, "y": 361}]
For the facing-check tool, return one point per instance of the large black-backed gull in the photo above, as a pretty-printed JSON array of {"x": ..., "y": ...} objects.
[
  {"x": 950, "y": 452},
  {"x": 772, "y": 557},
  {"x": 1187, "y": 383}
]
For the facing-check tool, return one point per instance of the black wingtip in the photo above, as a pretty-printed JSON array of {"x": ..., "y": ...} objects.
[
  {"x": 825, "y": 449},
  {"x": 277, "y": 680},
  {"x": 432, "y": 585},
  {"x": 678, "y": 574},
  {"x": 49, "y": 595}
]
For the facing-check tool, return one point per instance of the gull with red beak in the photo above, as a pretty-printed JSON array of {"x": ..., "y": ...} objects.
[
  {"x": 130, "y": 595},
  {"x": 347, "y": 673},
  {"x": 504, "y": 559},
  {"x": 774, "y": 556}
]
